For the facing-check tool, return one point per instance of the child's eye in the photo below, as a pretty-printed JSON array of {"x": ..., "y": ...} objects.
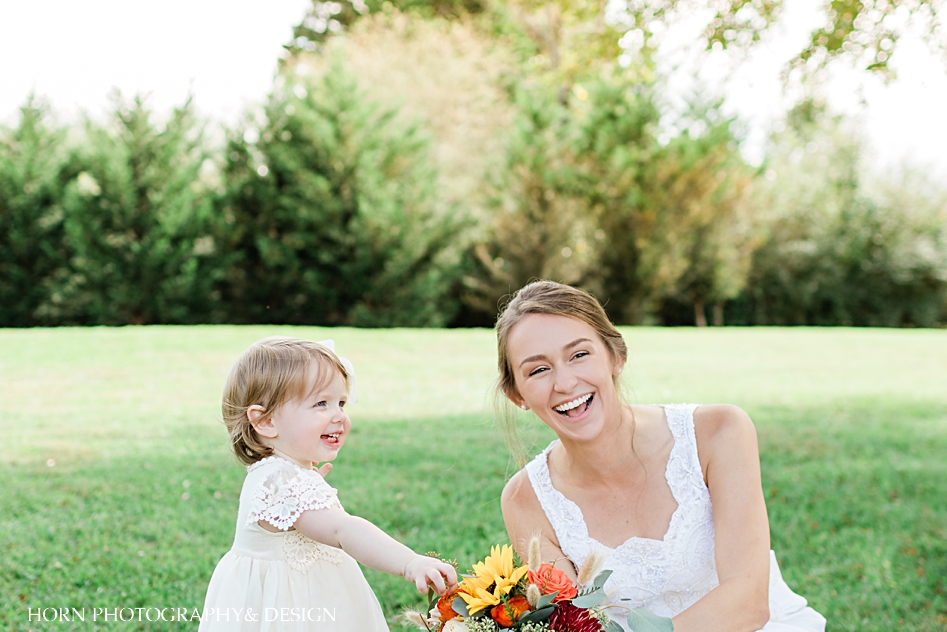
[
  {"x": 322, "y": 403},
  {"x": 342, "y": 404}
]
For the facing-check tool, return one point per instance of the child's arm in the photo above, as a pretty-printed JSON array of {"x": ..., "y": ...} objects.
[{"x": 374, "y": 548}]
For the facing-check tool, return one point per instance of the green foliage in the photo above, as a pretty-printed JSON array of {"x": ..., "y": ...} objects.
[
  {"x": 837, "y": 252},
  {"x": 332, "y": 211},
  {"x": 323, "y": 19},
  {"x": 539, "y": 224},
  {"x": 137, "y": 221},
  {"x": 32, "y": 245}
]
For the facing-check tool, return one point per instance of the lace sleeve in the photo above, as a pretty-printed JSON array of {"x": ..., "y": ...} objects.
[{"x": 286, "y": 493}]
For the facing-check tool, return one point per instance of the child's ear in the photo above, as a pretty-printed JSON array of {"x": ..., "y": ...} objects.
[{"x": 261, "y": 422}]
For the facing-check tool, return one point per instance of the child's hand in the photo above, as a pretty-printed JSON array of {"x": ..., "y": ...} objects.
[{"x": 424, "y": 571}]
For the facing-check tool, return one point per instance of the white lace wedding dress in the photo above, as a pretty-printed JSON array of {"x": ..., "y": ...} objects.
[
  {"x": 283, "y": 581},
  {"x": 666, "y": 576}
]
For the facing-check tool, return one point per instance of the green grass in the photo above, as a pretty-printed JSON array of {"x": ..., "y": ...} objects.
[{"x": 106, "y": 430}]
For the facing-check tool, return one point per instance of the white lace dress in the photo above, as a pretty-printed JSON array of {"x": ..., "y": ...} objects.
[
  {"x": 666, "y": 576},
  {"x": 283, "y": 580}
]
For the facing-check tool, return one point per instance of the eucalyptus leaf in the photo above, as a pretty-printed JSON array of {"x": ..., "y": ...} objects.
[
  {"x": 545, "y": 600},
  {"x": 611, "y": 626},
  {"x": 601, "y": 578},
  {"x": 640, "y": 620},
  {"x": 591, "y": 599},
  {"x": 459, "y": 606},
  {"x": 537, "y": 616}
]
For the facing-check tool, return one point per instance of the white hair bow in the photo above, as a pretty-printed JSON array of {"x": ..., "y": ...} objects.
[{"x": 349, "y": 368}]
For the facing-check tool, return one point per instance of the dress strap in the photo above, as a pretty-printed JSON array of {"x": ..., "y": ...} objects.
[
  {"x": 684, "y": 474},
  {"x": 563, "y": 514}
]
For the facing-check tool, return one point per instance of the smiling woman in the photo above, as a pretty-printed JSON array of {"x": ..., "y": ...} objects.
[{"x": 669, "y": 496}]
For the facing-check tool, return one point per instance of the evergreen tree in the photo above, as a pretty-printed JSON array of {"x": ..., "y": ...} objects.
[
  {"x": 333, "y": 213},
  {"x": 137, "y": 219},
  {"x": 539, "y": 224},
  {"x": 32, "y": 246}
]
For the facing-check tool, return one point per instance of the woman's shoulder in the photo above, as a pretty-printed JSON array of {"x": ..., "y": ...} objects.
[
  {"x": 721, "y": 420},
  {"x": 723, "y": 431}
]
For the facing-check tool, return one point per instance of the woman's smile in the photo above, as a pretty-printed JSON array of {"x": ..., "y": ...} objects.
[{"x": 575, "y": 408}]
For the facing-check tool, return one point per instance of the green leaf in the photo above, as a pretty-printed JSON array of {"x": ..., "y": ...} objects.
[
  {"x": 611, "y": 626},
  {"x": 601, "y": 578},
  {"x": 459, "y": 606},
  {"x": 640, "y": 620},
  {"x": 545, "y": 600},
  {"x": 537, "y": 616},
  {"x": 591, "y": 599}
]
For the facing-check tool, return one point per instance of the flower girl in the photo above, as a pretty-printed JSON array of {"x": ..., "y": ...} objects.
[{"x": 293, "y": 565}]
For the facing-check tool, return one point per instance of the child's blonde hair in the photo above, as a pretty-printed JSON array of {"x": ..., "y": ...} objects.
[{"x": 271, "y": 373}]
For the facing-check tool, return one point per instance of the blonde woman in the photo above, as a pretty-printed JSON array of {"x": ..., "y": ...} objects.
[{"x": 669, "y": 496}]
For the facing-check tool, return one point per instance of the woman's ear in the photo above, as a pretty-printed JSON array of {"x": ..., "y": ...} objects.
[
  {"x": 514, "y": 396},
  {"x": 261, "y": 422}
]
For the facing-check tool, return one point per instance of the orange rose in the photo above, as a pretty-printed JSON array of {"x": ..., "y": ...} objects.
[
  {"x": 506, "y": 614},
  {"x": 445, "y": 606},
  {"x": 549, "y": 579}
]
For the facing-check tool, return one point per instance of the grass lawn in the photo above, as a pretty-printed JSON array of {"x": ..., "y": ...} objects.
[{"x": 118, "y": 489}]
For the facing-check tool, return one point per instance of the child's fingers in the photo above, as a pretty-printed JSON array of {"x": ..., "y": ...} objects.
[
  {"x": 434, "y": 577},
  {"x": 448, "y": 572}
]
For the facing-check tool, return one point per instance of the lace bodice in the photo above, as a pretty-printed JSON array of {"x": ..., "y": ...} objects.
[
  {"x": 278, "y": 491},
  {"x": 663, "y": 576}
]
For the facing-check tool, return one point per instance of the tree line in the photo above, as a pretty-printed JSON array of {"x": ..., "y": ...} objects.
[{"x": 338, "y": 204}]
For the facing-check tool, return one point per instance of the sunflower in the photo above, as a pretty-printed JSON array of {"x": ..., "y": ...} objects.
[{"x": 493, "y": 577}]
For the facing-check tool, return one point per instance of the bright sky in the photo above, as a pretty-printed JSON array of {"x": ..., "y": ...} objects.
[{"x": 224, "y": 53}]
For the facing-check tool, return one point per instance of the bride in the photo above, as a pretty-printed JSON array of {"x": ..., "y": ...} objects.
[{"x": 669, "y": 496}]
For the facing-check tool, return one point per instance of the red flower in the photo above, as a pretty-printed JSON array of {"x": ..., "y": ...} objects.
[
  {"x": 445, "y": 606},
  {"x": 569, "y": 618},
  {"x": 549, "y": 579},
  {"x": 506, "y": 614}
]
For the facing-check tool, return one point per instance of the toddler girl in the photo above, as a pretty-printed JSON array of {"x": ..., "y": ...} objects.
[{"x": 293, "y": 561}]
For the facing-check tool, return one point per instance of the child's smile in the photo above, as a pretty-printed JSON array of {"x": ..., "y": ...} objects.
[{"x": 313, "y": 430}]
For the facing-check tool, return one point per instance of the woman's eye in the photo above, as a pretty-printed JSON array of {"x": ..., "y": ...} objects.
[
  {"x": 580, "y": 354},
  {"x": 537, "y": 370}
]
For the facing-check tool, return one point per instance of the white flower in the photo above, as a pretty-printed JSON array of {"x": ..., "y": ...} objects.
[{"x": 455, "y": 625}]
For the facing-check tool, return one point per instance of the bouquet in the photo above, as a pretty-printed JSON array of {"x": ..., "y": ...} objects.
[{"x": 501, "y": 594}]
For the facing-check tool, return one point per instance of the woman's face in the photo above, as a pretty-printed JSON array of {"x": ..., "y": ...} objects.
[{"x": 565, "y": 374}]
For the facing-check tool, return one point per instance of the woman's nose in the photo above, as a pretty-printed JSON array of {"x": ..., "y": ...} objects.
[{"x": 565, "y": 381}]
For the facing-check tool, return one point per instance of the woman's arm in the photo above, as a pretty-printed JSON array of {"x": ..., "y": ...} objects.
[
  {"x": 525, "y": 518},
  {"x": 374, "y": 548},
  {"x": 730, "y": 460}
]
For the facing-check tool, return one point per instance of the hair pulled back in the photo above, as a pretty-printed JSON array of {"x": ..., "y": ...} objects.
[
  {"x": 271, "y": 373},
  {"x": 557, "y": 299}
]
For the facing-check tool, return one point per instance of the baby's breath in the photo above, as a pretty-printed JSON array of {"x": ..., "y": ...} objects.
[{"x": 481, "y": 624}]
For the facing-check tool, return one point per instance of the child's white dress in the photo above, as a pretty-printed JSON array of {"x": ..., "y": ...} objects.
[{"x": 285, "y": 581}]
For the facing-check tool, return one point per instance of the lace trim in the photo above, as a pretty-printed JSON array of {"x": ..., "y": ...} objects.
[
  {"x": 287, "y": 492},
  {"x": 663, "y": 575},
  {"x": 302, "y": 553}
]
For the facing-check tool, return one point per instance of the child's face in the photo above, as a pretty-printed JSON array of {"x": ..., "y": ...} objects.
[{"x": 315, "y": 428}]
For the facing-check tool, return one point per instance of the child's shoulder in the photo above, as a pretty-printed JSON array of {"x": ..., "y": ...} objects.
[{"x": 279, "y": 491}]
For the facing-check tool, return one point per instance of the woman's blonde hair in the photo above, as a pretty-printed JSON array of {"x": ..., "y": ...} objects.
[
  {"x": 545, "y": 297},
  {"x": 269, "y": 374}
]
